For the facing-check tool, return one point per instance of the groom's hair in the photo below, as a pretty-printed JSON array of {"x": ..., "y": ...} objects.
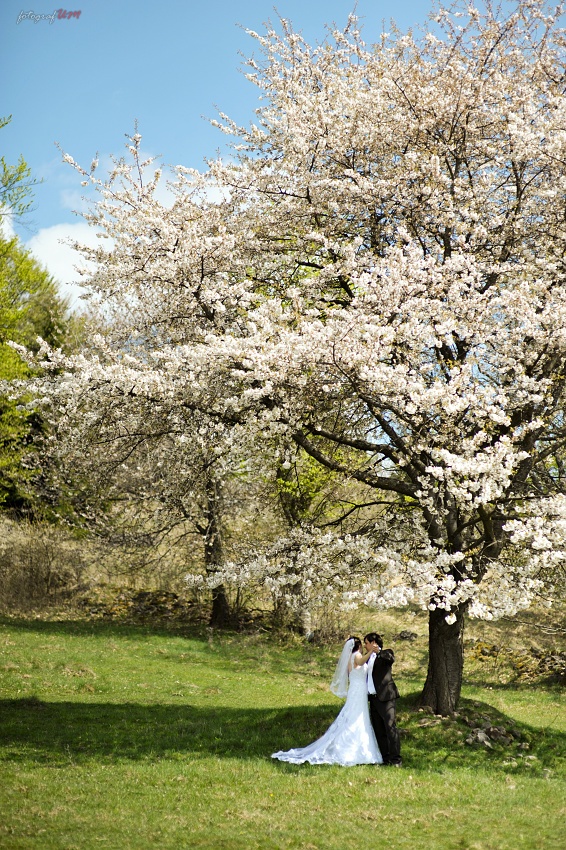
[{"x": 373, "y": 637}]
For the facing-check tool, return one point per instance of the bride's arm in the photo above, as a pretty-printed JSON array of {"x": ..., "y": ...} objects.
[
  {"x": 360, "y": 660},
  {"x": 353, "y": 662}
]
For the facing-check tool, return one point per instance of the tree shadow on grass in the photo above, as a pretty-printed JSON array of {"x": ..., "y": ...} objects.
[
  {"x": 435, "y": 743},
  {"x": 62, "y": 733},
  {"x": 56, "y": 732}
]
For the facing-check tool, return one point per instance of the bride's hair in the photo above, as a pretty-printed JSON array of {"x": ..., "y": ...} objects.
[{"x": 357, "y": 642}]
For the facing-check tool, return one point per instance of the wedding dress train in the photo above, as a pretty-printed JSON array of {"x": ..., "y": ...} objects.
[{"x": 350, "y": 739}]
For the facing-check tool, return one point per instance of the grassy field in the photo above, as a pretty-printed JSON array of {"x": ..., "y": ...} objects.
[{"x": 131, "y": 737}]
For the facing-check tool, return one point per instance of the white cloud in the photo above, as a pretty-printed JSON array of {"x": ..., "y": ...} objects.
[
  {"x": 61, "y": 260},
  {"x": 6, "y": 224},
  {"x": 72, "y": 200}
]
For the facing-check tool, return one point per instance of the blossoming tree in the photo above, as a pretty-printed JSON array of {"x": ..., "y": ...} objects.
[{"x": 377, "y": 276}]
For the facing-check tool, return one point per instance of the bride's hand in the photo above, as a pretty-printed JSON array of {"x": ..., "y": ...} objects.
[{"x": 366, "y": 657}]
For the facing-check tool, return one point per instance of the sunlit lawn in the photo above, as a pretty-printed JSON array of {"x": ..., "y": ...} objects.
[{"x": 123, "y": 737}]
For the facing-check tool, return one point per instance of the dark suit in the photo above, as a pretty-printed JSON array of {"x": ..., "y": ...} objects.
[{"x": 382, "y": 708}]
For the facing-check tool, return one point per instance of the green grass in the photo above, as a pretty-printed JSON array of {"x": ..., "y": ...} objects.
[{"x": 130, "y": 738}]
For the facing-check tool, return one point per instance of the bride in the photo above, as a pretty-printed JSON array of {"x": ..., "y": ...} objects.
[{"x": 350, "y": 739}]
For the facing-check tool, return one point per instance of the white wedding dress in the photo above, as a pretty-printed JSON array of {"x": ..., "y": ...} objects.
[{"x": 350, "y": 739}]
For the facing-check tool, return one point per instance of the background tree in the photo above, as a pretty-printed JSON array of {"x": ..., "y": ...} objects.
[
  {"x": 30, "y": 307},
  {"x": 16, "y": 184},
  {"x": 148, "y": 479},
  {"x": 381, "y": 282}
]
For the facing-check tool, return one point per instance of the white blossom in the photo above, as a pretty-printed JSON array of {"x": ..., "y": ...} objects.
[{"x": 378, "y": 277}]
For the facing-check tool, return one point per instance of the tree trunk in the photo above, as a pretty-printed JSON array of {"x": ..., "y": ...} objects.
[
  {"x": 213, "y": 553},
  {"x": 445, "y": 662},
  {"x": 220, "y": 614}
]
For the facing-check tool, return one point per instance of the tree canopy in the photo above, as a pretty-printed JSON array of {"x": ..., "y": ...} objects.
[{"x": 378, "y": 277}]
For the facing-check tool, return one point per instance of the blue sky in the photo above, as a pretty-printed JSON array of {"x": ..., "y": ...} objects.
[{"x": 83, "y": 81}]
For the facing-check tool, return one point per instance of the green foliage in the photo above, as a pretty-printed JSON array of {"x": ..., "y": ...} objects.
[
  {"x": 303, "y": 489},
  {"x": 129, "y": 737},
  {"x": 16, "y": 184},
  {"x": 30, "y": 304},
  {"x": 30, "y": 307}
]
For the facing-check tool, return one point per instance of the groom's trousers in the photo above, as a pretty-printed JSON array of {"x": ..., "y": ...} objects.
[{"x": 384, "y": 723}]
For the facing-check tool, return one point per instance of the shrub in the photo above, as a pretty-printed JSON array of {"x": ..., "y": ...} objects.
[{"x": 39, "y": 565}]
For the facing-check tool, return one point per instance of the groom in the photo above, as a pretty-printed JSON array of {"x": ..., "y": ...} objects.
[{"x": 382, "y": 693}]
